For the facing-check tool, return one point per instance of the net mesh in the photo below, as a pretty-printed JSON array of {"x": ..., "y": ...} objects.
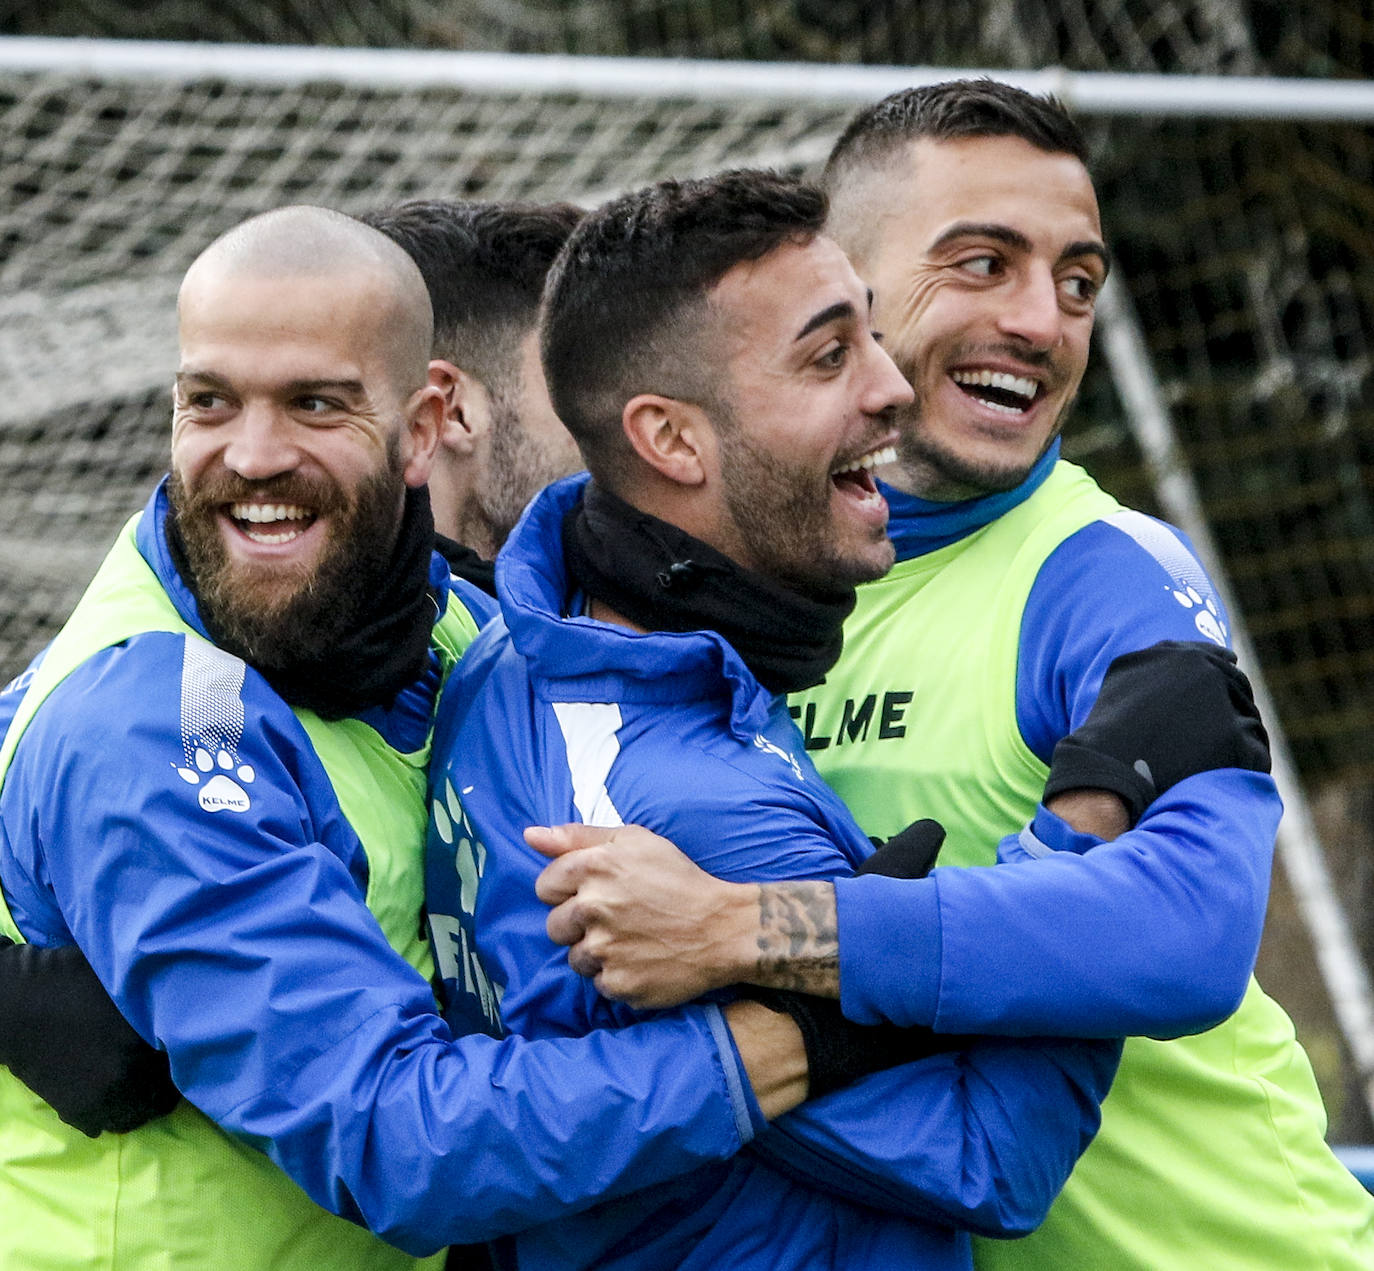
[
  {"x": 1247, "y": 248},
  {"x": 1195, "y": 36}
]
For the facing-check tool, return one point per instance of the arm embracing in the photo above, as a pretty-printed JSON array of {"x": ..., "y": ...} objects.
[
  {"x": 238, "y": 942},
  {"x": 982, "y": 1138},
  {"x": 1154, "y": 933}
]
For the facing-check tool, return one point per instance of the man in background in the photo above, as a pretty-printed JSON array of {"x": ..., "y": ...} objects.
[{"x": 484, "y": 266}]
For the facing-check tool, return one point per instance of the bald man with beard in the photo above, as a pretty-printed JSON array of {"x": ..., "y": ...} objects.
[{"x": 214, "y": 789}]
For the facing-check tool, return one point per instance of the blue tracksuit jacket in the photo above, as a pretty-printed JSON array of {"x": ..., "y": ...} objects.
[
  {"x": 1127, "y": 925},
  {"x": 240, "y": 943},
  {"x": 550, "y": 719}
]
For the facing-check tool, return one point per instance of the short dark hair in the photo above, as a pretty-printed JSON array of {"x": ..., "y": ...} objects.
[
  {"x": 625, "y": 306},
  {"x": 948, "y": 112},
  {"x": 484, "y": 266}
]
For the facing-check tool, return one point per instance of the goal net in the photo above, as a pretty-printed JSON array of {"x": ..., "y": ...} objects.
[{"x": 1244, "y": 236}]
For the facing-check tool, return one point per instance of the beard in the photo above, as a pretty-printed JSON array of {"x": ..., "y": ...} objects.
[
  {"x": 280, "y": 616},
  {"x": 518, "y": 467},
  {"x": 937, "y": 472},
  {"x": 784, "y": 523}
]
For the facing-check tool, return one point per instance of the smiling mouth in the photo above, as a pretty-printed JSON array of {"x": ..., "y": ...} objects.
[
  {"x": 999, "y": 390},
  {"x": 270, "y": 523},
  {"x": 858, "y": 473}
]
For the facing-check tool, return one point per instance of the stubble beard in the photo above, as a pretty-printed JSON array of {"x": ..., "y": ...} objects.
[
  {"x": 518, "y": 467},
  {"x": 280, "y": 617},
  {"x": 784, "y": 524},
  {"x": 931, "y": 470}
]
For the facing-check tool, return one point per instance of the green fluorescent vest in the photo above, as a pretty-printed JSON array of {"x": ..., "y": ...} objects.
[
  {"x": 180, "y": 1193},
  {"x": 1210, "y": 1155}
]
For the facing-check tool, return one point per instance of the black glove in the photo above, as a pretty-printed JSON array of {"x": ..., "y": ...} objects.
[
  {"x": 1163, "y": 713},
  {"x": 838, "y": 1051},
  {"x": 910, "y": 853},
  {"x": 63, "y": 1037}
]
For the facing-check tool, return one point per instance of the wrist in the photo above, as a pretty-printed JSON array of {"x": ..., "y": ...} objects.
[
  {"x": 796, "y": 945},
  {"x": 730, "y": 936}
]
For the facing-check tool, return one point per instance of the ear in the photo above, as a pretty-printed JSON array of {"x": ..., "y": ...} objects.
[
  {"x": 673, "y": 437},
  {"x": 467, "y": 407},
  {"x": 424, "y": 420}
]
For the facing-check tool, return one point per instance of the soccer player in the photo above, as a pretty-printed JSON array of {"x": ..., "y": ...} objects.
[
  {"x": 711, "y": 351},
  {"x": 1032, "y": 630},
  {"x": 214, "y": 787},
  {"x": 483, "y": 266}
]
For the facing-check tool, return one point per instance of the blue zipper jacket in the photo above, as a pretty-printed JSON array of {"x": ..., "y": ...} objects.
[
  {"x": 240, "y": 943},
  {"x": 553, "y": 718}
]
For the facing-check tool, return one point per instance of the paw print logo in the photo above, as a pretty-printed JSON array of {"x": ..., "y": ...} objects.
[
  {"x": 469, "y": 855},
  {"x": 220, "y": 779},
  {"x": 1207, "y": 619}
]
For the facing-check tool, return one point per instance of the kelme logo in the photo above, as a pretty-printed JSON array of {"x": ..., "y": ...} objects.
[{"x": 222, "y": 791}]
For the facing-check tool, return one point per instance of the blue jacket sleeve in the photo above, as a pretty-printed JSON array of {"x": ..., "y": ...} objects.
[
  {"x": 1155, "y": 933},
  {"x": 239, "y": 942},
  {"x": 982, "y": 1138}
]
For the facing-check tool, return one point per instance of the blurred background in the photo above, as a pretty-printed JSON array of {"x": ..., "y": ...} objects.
[{"x": 1245, "y": 246}]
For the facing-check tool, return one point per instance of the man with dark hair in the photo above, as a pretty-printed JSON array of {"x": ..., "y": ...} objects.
[
  {"x": 1035, "y": 641},
  {"x": 711, "y": 351},
  {"x": 484, "y": 266},
  {"x": 214, "y": 787}
]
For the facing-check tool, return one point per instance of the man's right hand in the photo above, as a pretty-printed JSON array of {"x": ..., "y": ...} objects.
[
  {"x": 63, "y": 1037},
  {"x": 640, "y": 919},
  {"x": 653, "y": 929}
]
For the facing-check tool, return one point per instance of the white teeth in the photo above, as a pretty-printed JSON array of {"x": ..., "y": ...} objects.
[
  {"x": 874, "y": 459},
  {"x": 263, "y": 513},
  {"x": 282, "y": 517},
  {"x": 259, "y": 537},
  {"x": 1018, "y": 384}
]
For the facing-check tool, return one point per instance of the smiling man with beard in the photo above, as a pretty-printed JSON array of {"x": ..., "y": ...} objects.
[
  {"x": 214, "y": 788},
  {"x": 712, "y": 353},
  {"x": 296, "y": 502}
]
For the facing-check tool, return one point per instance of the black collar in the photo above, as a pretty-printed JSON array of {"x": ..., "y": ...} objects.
[{"x": 662, "y": 579}]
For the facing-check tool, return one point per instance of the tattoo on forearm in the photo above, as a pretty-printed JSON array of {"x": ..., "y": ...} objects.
[{"x": 798, "y": 944}]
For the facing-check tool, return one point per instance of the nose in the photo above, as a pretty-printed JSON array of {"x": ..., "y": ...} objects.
[
  {"x": 1033, "y": 314},
  {"x": 886, "y": 386},
  {"x": 259, "y": 444}
]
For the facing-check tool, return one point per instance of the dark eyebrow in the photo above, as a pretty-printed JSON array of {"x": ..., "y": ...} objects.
[
  {"x": 294, "y": 388},
  {"x": 202, "y": 377},
  {"x": 307, "y": 388},
  {"x": 831, "y": 313},
  {"x": 1017, "y": 240},
  {"x": 1088, "y": 247},
  {"x": 974, "y": 229}
]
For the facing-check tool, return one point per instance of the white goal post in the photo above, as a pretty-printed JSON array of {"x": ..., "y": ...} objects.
[{"x": 1087, "y": 92}]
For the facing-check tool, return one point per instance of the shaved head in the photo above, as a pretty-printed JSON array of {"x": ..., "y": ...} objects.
[
  {"x": 296, "y": 244},
  {"x": 302, "y": 418}
]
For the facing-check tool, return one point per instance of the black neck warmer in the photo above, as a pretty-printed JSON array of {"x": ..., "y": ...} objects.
[
  {"x": 663, "y": 579},
  {"x": 463, "y": 562},
  {"x": 387, "y": 646}
]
